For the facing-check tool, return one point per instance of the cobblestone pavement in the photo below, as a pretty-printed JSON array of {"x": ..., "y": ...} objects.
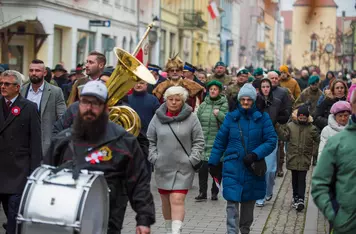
[{"x": 323, "y": 224}]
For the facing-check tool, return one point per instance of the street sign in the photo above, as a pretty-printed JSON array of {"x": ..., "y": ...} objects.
[{"x": 99, "y": 23}]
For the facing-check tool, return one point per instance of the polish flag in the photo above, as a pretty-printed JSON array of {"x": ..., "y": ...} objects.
[
  {"x": 142, "y": 54},
  {"x": 213, "y": 10}
]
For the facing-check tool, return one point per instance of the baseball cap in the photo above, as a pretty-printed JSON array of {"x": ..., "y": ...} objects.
[{"x": 95, "y": 89}]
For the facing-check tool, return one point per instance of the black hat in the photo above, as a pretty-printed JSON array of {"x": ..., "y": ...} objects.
[
  {"x": 72, "y": 73},
  {"x": 107, "y": 71},
  {"x": 303, "y": 110},
  {"x": 154, "y": 67},
  {"x": 189, "y": 67},
  {"x": 59, "y": 67}
]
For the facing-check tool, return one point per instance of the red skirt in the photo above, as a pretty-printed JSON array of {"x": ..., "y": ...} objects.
[{"x": 163, "y": 191}]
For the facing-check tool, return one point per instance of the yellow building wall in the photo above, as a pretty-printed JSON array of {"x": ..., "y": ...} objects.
[
  {"x": 323, "y": 23},
  {"x": 200, "y": 36}
]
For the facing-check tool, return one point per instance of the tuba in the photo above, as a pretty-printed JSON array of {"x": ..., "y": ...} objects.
[{"x": 127, "y": 73}]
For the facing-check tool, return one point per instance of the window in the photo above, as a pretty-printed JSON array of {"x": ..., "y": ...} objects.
[
  {"x": 124, "y": 43},
  {"x": 57, "y": 45},
  {"x": 131, "y": 45},
  {"x": 313, "y": 43},
  {"x": 172, "y": 42},
  {"x": 163, "y": 48},
  {"x": 105, "y": 46},
  {"x": 85, "y": 44}
]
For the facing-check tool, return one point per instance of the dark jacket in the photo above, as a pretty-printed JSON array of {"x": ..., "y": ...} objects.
[
  {"x": 239, "y": 183},
  {"x": 310, "y": 98},
  {"x": 145, "y": 105},
  {"x": 66, "y": 119},
  {"x": 303, "y": 83},
  {"x": 123, "y": 163},
  {"x": 20, "y": 145},
  {"x": 273, "y": 106},
  {"x": 283, "y": 95},
  {"x": 323, "y": 110}
]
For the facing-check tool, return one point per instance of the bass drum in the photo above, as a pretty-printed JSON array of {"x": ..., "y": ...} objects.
[{"x": 55, "y": 203}]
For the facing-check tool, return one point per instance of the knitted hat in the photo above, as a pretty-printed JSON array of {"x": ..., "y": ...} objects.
[
  {"x": 340, "y": 106},
  {"x": 220, "y": 63},
  {"x": 258, "y": 72},
  {"x": 247, "y": 91},
  {"x": 313, "y": 80},
  {"x": 303, "y": 111},
  {"x": 284, "y": 68},
  {"x": 215, "y": 82}
]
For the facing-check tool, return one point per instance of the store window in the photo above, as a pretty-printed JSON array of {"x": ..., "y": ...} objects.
[{"x": 85, "y": 44}]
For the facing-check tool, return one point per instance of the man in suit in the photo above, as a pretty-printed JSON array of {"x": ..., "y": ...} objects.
[
  {"x": 49, "y": 99},
  {"x": 20, "y": 144}
]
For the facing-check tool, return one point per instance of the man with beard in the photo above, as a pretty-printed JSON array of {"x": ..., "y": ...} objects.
[
  {"x": 220, "y": 74},
  {"x": 303, "y": 81},
  {"x": 283, "y": 95},
  {"x": 95, "y": 65},
  {"x": 49, "y": 99},
  {"x": 123, "y": 163},
  {"x": 174, "y": 69},
  {"x": 233, "y": 89}
]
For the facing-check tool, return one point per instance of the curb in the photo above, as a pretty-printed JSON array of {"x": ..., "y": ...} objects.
[{"x": 311, "y": 218}]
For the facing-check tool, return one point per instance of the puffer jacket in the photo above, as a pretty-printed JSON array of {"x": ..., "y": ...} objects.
[
  {"x": 301, "y": 141},
  {"x": 211, "y": 123},
  {"x": 335, "y": 175},
  {"x": 323, "y": 110},
  {"x": 329, "y": 131},
  {"x": 240, "y": 184}
]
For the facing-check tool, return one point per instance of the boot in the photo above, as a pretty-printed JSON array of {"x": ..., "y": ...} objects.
[
  {"x": 201, "y": 197},
  {"x": 280, "y": 172},
  {"x": 168, "y": 226},
  {"x": 177, "y": 226}
]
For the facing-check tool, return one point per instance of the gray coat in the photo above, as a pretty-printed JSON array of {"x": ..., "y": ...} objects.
[
  {"x": 51, "y": 109},
  {"x": 173, "y": 168}
]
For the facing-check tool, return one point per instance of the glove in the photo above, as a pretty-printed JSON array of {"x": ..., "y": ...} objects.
[
  {"x": 214, "y": 172},
  {"x": 249, "y": 159}
]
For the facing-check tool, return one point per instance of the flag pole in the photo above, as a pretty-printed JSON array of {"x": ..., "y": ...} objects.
[{"x": 149, "y": 27}]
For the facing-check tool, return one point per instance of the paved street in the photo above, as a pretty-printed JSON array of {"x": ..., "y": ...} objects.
[{"x": 276, "y": 217}]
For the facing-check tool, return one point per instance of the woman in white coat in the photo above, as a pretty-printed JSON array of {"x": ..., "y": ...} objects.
[{"x": 338, "y": 119}]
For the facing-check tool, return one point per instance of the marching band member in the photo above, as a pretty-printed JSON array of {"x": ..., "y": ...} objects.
[{"x": 120, "y": 156}]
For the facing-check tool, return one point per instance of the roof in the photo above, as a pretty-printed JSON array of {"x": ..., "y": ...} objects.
[
  {"x": 347, "y": 21},
  {"x": 288, "y": 19},
  {"x": 319, "y": 3}
]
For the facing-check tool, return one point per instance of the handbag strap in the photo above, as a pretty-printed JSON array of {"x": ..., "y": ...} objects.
[
  {"x": 242, "y": 138},
  {"x": 169, "y": 125}
]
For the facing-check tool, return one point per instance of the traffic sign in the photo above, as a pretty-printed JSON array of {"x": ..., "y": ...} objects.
[{"x": 99, "y": 23}]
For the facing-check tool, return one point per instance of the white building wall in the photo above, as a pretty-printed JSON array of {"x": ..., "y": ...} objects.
[{"x": 235, "y": 31}]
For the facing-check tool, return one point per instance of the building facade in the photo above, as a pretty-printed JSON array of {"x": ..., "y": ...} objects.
[
  {"x": 226, "y": 42},
  {"x": 59, "y": 31},
  {"x": 314, "y": 39}
]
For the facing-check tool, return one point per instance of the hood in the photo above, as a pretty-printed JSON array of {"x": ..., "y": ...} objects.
[
  {"x": 295, "y": 119},
  {"x": 163, "y": 118},
  {"x": 221, "y": 101},
  {"x": 333, "y": 124}
]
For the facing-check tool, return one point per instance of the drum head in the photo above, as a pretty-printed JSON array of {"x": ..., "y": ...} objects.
[{"x": 95, "y": 212}]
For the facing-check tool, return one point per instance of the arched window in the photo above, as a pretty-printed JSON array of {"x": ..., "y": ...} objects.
[
  {"x": 131, "y": 45},
  {"x": 313, "y": 42},
  {"x": 124, "y": 43}
]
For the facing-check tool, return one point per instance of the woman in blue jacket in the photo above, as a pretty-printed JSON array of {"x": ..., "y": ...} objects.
[{"x": 241, "y": 187}]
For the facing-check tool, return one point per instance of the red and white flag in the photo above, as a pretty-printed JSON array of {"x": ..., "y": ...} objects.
[
  {"x": 142, "y": 54},
  {"x": 213, "y": 10}
]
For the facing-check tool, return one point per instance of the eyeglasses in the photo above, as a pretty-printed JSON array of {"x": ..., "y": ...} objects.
[
  {"x": 174, "y": 70},
  {"x": 7, "y": 84},
  {"x": 86, "y": 103}
]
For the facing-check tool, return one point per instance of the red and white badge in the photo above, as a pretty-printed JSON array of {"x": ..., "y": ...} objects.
[
  {"x": 16, "y": 110},
  {"x": 95, "y": 157}
]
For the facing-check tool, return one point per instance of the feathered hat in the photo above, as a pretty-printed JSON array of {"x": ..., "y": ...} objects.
[{"x": 174, "y": 62}]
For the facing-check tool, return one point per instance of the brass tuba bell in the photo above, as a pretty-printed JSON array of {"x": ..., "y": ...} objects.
[{"x": 127, "y": 73}]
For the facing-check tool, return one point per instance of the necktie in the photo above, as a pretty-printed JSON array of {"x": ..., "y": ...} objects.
[{"x": 8, "y": 104}]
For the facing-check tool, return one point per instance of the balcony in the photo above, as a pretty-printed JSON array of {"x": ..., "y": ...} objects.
[{"x": 190, "y": 19}]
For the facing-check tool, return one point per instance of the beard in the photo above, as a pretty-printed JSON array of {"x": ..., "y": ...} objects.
[
  {"x": 90, "y": 131},
  {"x": 36, "y": 79}
]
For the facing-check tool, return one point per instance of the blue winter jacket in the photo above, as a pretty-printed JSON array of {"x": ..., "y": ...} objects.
[{"x": 239, "y": 184}]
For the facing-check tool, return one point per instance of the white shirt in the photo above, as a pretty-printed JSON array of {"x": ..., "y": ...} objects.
[{"x": 35, "y": 96}]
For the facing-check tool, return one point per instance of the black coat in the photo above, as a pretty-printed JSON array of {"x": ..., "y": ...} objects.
[
  {"x": 283, "y": 95},
  {"x": 20, "y": 145},
  {"x": 323, "y": 111},
  {"x": 303, "y": 83},
  {"x": 273, "y": 106},
  {"x": 125, "y": 167}
]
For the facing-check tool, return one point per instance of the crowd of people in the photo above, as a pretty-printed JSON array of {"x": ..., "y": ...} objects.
[{"x": 239, "y": 129}]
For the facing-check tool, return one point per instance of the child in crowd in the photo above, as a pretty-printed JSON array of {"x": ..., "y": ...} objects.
[{"x": 301, "y": 136}]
